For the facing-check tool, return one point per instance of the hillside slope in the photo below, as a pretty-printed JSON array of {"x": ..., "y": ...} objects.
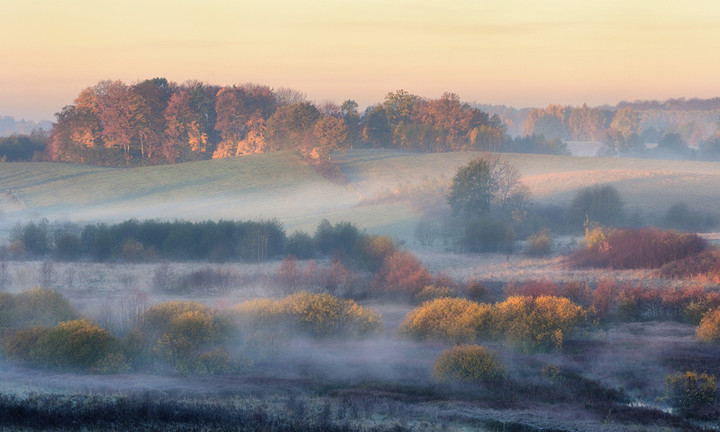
[{"x": 280, "y": 185}]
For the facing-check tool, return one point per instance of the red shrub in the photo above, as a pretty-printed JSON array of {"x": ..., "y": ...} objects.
[
  {"x": 704, "y": 266},
  {"x": 402, "y": 272},
  {"x": 604, "y": 298},
  {"x": 289, "y": 275},
  {"x": 638, "y": 248}
]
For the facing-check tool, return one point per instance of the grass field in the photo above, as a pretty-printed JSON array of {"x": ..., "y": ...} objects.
[{"x": 280, "y": 185}]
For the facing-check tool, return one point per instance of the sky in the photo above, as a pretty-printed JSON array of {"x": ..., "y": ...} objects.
[{"x": 512, "y": 52}]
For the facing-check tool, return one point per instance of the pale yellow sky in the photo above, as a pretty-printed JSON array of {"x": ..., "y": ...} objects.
[{"x": 514, "y": 52}]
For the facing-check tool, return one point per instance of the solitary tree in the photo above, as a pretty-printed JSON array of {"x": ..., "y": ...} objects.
[
  {"x": 484, "y": 180},
  {"x": 473, "y": 188}
]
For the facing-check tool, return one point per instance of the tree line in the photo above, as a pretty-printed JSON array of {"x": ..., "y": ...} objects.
[
  {"x": 215, "y": 241},
  {"x": 156, "y": 121},
  {"x": 626, "y": 126}
]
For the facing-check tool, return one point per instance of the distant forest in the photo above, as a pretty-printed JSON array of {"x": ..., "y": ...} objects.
[
  {"x": 156, "y": 122},
  {"x": 694, "y": 120},
  {"x": 10, "y": 126}
]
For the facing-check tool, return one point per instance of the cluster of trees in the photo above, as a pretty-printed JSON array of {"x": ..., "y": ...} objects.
[
  {"x": 221, "y": 241},
  {"x": 627, "y": 125},
  {"x": 134, "y": 241},
  {"x": 156, "y": 121},
  {"x": 23, "y": 148}
]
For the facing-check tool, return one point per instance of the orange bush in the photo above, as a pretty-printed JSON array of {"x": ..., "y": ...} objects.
[{"x": 403, "y": 273}]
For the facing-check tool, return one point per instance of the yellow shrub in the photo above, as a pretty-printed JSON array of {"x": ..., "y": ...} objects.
[
  {"x": 158, "y": 317},
  {"x": 467, "y": 363},
  {"x": 709, "y": 328},
  {"x": 38, "y": 306},
  {"x": 180, "y": 333},
  {"x": 75, "y": 344},
  {"x": 448, "y": 319},
  {"x": 317, "y": 315},
  {"x": 538, "y": 322}
]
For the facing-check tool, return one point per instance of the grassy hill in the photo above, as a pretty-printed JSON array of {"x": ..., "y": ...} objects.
[{"x": 280, "y": 185}]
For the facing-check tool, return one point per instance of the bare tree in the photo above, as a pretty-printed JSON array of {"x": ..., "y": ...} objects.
[{"x": 163, "y": 277}]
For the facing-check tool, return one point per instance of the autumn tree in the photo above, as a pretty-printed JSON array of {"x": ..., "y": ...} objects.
[
  {"x": 116, "y": 116},
  {"x": 288, "y": 126},
  {"x": 377, "y": 132},
  {"x": 329, "y": 133},
  {"x": 349, "y": 112}
]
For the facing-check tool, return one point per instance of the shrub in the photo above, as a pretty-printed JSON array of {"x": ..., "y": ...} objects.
[
  {"x": 76, "y": 344},
  {"x": 539, "y": 244},
  {"x": 690, "y": 390},
  {"x": 704, "y": 265},
  {"x": 372, "y": 250},
  {"x": 709, "y": 328},
  {"x": 22, "y": 342},
  {"x": 538, "y": 322},
  {"x": 180, "y": 333},
  {"x": 638, "y": 248},
  {"x": 315, "y": 315},
  {"x": 448, "y": 319},
  {"x": 403, "y": 273},
  {"x": 187, "y": 337},
  {"x": 35, "y": 307},
  {"x": 206, "y": 280},
  {"x": 470, "y": 363}
]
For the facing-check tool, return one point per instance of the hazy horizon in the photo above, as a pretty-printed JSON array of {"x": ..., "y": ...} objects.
[{"x": 519, "y": 53}]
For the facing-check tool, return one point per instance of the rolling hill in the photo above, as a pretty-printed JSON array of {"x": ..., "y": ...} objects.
[{"x": 279, "y": 185}]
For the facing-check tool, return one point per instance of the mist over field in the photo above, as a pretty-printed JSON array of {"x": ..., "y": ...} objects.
[{"x": 182, "y": 274}]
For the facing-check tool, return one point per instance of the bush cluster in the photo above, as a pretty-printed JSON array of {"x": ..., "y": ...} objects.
[
  {"x": 539, "y": 244},
  {"x": 448, "y": 319},
  {"x": 35, "y": 307},
  {"x": 189, "y": 336},
  {"x": 310, "y": 314},
  {"x": 402, "y": 274},
  {"x": 637, "y": 248},
  {"x": 471, "y": 363},
  {"x": 76, "y": 344},
  {"x": 704, "y": 266},
  {"x": 632, "y": 302},
  {"x": 541, "y": 322}
]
